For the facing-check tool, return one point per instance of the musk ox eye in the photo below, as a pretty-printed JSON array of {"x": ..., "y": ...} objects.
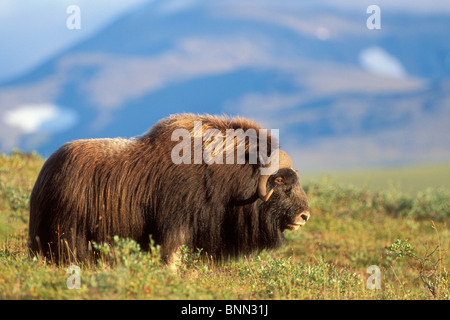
[{"x": 279, "y": 181}]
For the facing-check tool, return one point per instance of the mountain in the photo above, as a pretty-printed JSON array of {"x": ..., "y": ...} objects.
[{"x": 341, "y": 95}]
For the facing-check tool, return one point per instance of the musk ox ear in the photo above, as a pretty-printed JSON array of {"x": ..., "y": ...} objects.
[{"x": 284, "y": 162}]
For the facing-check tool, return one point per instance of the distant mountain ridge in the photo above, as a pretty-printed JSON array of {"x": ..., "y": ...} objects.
[{"x": 314, "y": 74}]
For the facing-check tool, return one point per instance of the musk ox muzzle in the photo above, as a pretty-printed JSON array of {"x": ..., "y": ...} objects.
[{"x": 89, "y": 191}]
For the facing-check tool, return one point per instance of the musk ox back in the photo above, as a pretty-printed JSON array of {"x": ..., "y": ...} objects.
[{"x": 91, "y": 190}]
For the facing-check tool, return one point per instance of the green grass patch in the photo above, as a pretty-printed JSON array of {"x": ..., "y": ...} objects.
[
  {"x": 406, "y": 235},
  {"x": 410, "y": 179}
]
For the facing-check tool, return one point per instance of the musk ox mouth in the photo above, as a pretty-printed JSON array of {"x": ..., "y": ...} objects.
[
  {"x": 299, "y": 221},
  {"x": 295, "y": 226}
]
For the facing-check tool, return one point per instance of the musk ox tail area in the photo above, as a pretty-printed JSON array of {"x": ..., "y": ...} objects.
[
  {"x": 156, "y": 185},
  {"x": 79, "y": 198}
]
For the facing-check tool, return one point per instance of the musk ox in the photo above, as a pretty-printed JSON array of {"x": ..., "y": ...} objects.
[{"x": 91, "y": 190}]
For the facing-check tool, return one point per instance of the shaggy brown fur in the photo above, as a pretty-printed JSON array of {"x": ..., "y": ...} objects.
[{"x": 90, "y": 190}]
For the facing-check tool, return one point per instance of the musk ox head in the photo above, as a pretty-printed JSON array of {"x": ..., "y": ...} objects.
[{"x": 283, "y": 196}]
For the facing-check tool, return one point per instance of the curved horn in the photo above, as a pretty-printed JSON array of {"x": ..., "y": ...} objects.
[{"x": 284, "y": 161}]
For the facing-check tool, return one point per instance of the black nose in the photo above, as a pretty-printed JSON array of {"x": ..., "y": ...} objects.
[{"x": 305, "y": 216}]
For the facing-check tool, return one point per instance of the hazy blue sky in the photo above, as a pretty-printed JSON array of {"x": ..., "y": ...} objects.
[{"x": 31, "y": 30}]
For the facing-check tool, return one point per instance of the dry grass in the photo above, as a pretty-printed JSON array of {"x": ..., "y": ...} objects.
[{"x": 351, "y": 228}]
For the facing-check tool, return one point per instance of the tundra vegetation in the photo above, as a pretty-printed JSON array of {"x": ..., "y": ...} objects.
[{"x": 351, "y": 228}]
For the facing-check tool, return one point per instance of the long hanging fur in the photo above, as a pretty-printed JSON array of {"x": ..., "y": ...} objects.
[{"x": 90, "y": 190}]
